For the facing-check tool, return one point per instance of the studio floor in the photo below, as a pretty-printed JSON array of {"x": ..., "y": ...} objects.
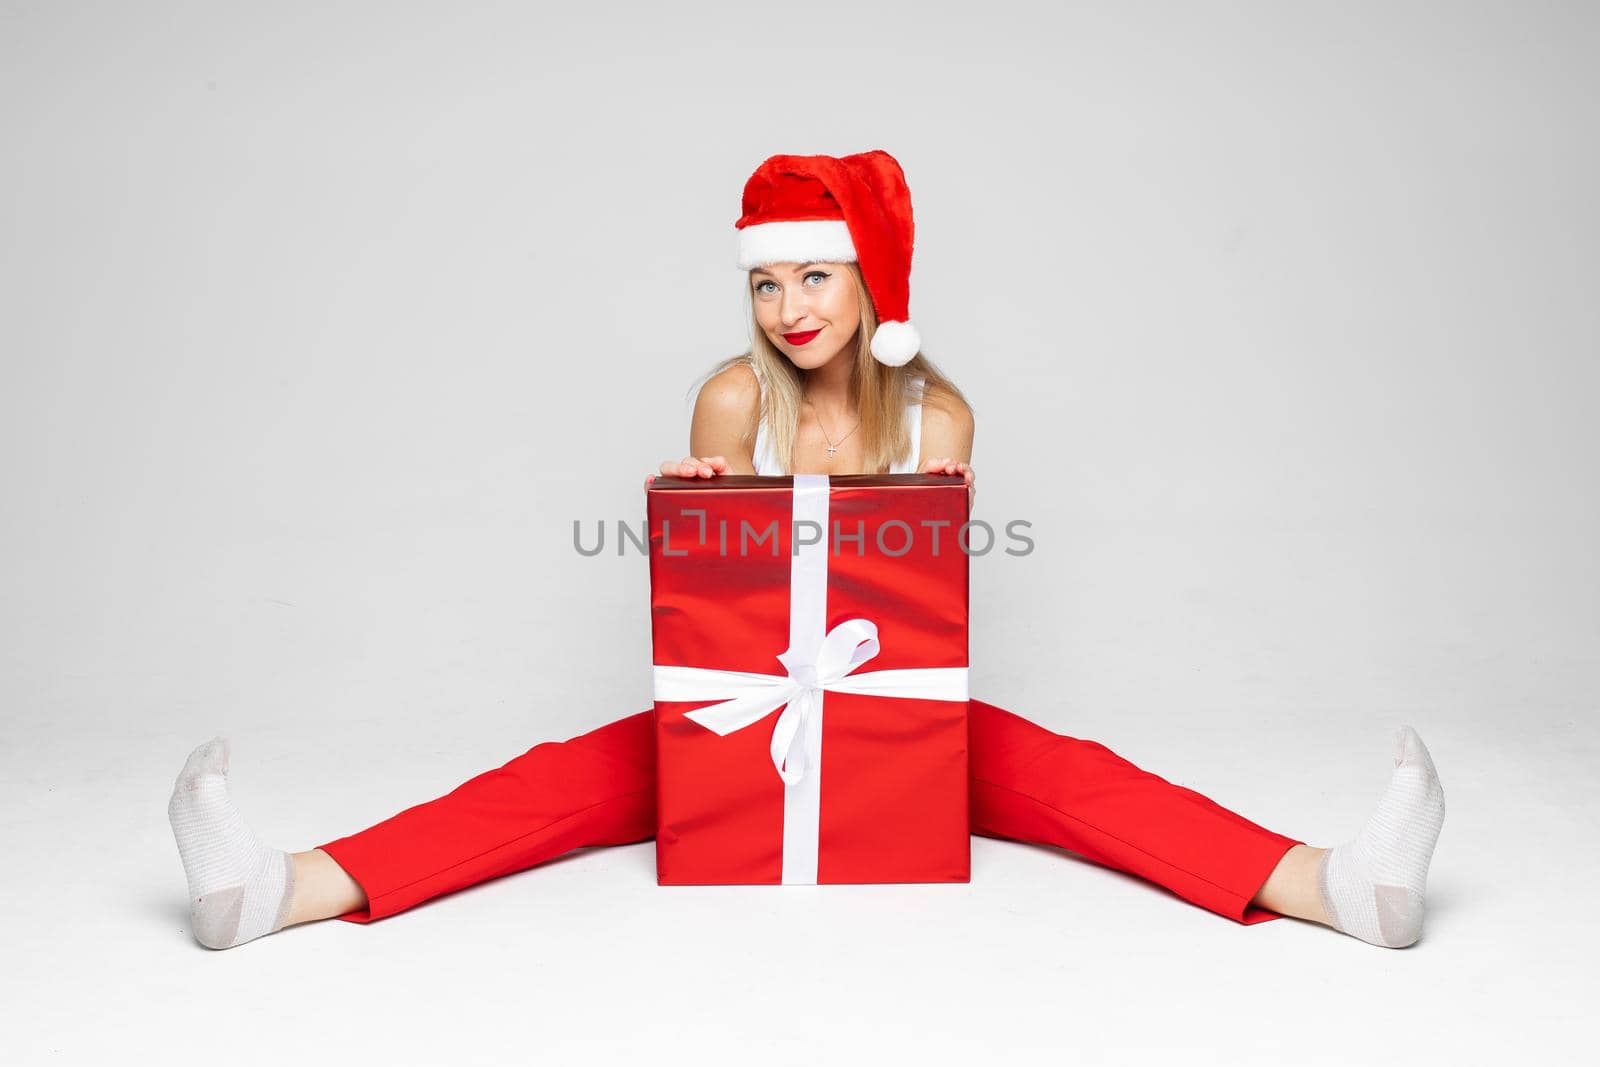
[{"x": 1043, "y": 957}]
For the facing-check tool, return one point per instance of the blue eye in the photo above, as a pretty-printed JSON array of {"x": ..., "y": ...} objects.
[{"x": 759, "y": 286}]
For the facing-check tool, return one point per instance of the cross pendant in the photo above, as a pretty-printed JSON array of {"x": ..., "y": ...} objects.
[{"x": 832, "y": 450}]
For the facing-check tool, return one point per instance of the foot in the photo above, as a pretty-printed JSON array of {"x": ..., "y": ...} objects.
[
  {"x": 1373, "y": 886},
  {"x": 239, "y": 888}
]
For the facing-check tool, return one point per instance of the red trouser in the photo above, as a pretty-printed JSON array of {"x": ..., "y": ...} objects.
[{"x": 1027, "y": 784}]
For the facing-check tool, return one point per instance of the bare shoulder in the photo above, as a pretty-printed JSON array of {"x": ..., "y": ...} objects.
[
  {"x": 945, "y": 411},
  {"x": 731, "y": 397}
]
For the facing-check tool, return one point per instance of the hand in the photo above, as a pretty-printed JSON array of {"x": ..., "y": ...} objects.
[
  {"x": 692, "y": 467},
  {"x": 952, "y": 466}
]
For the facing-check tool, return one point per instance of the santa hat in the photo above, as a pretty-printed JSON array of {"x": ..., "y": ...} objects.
[{"x": 846, "y": 209}]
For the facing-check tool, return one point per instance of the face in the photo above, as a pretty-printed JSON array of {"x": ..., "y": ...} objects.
[{"x": 809, "y": 311}]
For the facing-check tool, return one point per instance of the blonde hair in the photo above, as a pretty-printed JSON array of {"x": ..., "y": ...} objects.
[{"x": 882, "y": 392}]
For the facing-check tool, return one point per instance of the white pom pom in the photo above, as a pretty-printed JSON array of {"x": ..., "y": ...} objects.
[{"x": 894, "y": 343}]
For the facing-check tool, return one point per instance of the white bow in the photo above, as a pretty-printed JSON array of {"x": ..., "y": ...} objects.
[{"x": 747, "y": 697}]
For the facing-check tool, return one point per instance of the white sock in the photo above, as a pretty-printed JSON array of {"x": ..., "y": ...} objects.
[
  {"x": 1373, "y": 887},
  {"x": 239, "y": 888}
]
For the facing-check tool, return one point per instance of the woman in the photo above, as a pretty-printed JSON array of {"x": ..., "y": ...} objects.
[{"x": 834, "y": 383}]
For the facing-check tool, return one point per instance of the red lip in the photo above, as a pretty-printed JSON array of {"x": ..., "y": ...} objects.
[{"x": 798, "y": 339}]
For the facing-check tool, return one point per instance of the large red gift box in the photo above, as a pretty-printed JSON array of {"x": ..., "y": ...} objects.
[{"x": 810, "y": 678}]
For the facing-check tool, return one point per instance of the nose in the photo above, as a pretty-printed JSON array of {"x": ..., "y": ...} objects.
[{"x": 793, "y": 307}]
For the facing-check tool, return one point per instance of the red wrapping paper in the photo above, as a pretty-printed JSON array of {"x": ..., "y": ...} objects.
[{"x": 893, "y": 770}]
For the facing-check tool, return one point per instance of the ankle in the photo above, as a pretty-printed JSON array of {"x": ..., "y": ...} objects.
[
  {"x": 1293, "y": 887},
  {"x": 322, "y": 889}
]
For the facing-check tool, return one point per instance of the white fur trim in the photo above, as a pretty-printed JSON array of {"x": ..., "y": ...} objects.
[
  {"x": 894, "y": 343},
  {"x": 812, "y": 240}
]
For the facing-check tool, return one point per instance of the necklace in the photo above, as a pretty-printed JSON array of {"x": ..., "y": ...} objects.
[{"x": 833, "y": 446}]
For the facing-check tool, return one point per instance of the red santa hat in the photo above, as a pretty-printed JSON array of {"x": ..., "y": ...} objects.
[{"x": 846, "y": 209}]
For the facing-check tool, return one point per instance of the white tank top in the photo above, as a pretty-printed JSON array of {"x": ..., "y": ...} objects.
[{"x": 767, "y": 463}]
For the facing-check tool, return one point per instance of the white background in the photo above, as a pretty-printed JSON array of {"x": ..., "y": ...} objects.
[{"x": 321, "y": 323}]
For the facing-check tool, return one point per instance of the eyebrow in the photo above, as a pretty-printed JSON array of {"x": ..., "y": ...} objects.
[{"x": 768, "y": 273}]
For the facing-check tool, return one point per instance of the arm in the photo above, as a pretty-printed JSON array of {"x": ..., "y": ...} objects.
[
  {"x": 720, "y": 442},
  {"x": 947, "y": 430},
  {"x": 725, "y": 415}
]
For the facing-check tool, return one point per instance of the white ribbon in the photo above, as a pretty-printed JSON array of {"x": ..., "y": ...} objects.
[{"x": 815, "y": 662}]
